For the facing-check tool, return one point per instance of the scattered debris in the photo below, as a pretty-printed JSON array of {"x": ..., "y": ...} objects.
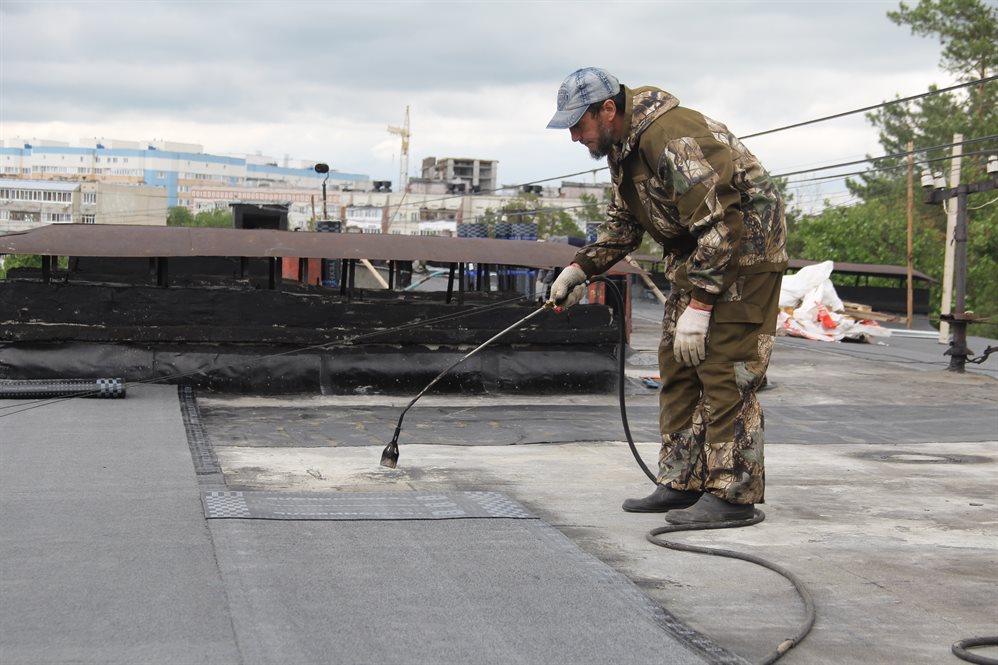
[
  {"x": 653, "y": 382},
  {"x": 810, "y": 308}
]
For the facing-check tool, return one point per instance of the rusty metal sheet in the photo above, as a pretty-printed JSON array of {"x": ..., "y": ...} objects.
[{"x": 117, "y": 240}]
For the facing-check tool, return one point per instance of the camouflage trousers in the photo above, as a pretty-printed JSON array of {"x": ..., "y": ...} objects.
[{"x": 711, "y": 421}]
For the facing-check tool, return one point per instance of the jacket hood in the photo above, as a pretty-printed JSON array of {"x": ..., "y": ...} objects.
[{"x": 644, "y": 105}]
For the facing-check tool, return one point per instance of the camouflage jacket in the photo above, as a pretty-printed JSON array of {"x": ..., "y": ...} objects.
[{"x": 691, "y": 184}]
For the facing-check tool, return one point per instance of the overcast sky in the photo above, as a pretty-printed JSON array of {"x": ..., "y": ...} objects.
[{"x": 322, "y": 81}]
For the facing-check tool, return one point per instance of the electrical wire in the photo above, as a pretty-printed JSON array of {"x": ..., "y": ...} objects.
[
  {"x": 884, "y": 168},
  {"x": 941, "y": 146},
  {"x": 896, "y": 155},
  {"x": 124, "y": 216},
  {"x": 922, "y": 162},
  {"x": 873, "y": 107},
  {"x": 744, "y": 137},
  {"x": 983, "y": 205},
  {"x": 748, "y": 136}
]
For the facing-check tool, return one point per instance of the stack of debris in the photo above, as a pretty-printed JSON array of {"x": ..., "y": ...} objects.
[{"x": 810, "y": 308}]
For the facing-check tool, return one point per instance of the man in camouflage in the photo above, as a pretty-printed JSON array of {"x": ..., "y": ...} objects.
[{"x": 691, "y": 184}]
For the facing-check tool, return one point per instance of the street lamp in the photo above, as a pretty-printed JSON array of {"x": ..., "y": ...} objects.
[{"x": 323, "y": 168}]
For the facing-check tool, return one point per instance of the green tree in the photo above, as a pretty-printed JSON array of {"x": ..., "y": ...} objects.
[
  {"x": 592, "y": 210},
  {"x": 875, "y": 229},
  {"x": 966, "y": 29},
  {"x": 220, "y": 218},
  {"x": 9, "y": 262},
  {"x": 795, "y": 244},
  {"x": 528, "y": 208},
  {"x": 557, "y": 223},
  {"x": 179, "y": 216}
]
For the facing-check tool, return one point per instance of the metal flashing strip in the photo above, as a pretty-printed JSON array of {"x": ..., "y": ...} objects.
[
  {"x": 206, "y": 466},
  {"x": 342, "y": 506}
]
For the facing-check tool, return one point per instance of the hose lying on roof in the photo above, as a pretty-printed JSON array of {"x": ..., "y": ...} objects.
[{"x": 34, "y": 388}]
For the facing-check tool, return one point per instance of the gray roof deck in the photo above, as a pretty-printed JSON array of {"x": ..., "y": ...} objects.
[{"x": 881, "y": 470}]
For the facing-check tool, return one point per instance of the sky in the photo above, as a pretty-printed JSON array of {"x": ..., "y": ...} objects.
[{"x": 301, "y": 80}]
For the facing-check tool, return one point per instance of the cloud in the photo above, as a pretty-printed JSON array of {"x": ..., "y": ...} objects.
[{"x": 323, "y": 80}]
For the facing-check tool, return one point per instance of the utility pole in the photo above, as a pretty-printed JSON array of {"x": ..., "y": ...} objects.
[
  {"x": 958, "y": 351},
  {"x": 947, "y": 295},
  {"x": 911, "y": 215}
]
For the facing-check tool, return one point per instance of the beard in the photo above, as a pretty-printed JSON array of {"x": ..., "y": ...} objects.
[{"x": 604, "y": 144}]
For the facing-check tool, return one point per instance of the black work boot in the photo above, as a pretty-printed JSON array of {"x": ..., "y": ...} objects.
[
  {"x": 662, "y": 499},
  {"x": 711, "y": 509}
]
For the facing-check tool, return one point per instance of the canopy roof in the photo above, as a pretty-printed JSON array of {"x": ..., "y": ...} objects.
[{"x": 117, "y": 240}]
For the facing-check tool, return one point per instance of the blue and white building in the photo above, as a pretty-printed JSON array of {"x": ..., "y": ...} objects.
[{"x": 176, "y": 167}]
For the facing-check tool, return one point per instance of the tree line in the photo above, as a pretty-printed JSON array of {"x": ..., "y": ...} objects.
[{"x": 873, "y": 229}]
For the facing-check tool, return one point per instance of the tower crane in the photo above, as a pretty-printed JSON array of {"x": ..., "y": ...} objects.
[{"x": 403, "y": 131}]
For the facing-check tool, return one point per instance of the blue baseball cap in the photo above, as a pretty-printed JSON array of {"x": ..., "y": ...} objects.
[{"x": 578, "y": 91}]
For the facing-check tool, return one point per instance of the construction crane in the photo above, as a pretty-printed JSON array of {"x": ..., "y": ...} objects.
[{"x": 403, "y": 131}]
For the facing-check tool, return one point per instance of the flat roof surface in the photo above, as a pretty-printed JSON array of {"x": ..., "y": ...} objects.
[
  {"x": 881, "y": 476},
  {"x": 51, "y": 185}
]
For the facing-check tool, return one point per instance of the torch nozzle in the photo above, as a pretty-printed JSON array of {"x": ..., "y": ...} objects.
[{"x": 390, "y": 455}]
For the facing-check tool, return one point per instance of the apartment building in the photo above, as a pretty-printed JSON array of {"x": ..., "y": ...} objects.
[
  {"x": 575, "y": 190},
  {"x": 451, "y": 191},
  {"x": 462, "y": 175},
  {"x": 178, "y": 168},
  {"x": 27, "y": 204}
]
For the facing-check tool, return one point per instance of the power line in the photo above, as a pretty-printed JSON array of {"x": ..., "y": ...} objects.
[
  {"x": 886, "y": 168},
  {"x": 747, "y": 136},
  {"x": 896, "y": 155},
  {"x": 122, "y": 216},
  {"x": 871, "y": 108},
  {"x": 793, "y": 126},
  {"x": 505, "y": 187}
]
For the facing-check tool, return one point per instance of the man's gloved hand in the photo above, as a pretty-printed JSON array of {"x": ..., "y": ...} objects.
[
  {"x": 569, "y": 288},
  {"x": 690, "y": 344}
]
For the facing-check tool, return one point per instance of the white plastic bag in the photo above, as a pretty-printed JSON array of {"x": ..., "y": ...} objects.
[
  {"x": 796, "y": 286},
  {"x": 817, "y": 312}
]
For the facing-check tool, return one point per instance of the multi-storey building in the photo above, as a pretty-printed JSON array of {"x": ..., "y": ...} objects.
[
  {"x": 178, "y": 168},
  {"x": 462, "y": 174},
  {"x": 160, "y": 174},
  {"x": 575, "y": 190},
  {"x": 26, "y": 204}
]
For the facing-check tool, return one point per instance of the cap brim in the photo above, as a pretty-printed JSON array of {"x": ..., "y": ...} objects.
[{"x": 567, "y": 118}]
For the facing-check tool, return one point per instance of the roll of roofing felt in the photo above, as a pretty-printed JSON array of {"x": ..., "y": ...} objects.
[{"x": 35, "y": 388}]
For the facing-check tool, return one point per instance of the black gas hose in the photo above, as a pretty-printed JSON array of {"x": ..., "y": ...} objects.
[
  {"x": 653, "y": 535},
  {"x": 961, "y": 650}
]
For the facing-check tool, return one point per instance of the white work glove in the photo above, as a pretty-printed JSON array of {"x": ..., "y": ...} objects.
[
  {"x": 690, "y": 344},
  {"x": 569, "y": 288}
]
